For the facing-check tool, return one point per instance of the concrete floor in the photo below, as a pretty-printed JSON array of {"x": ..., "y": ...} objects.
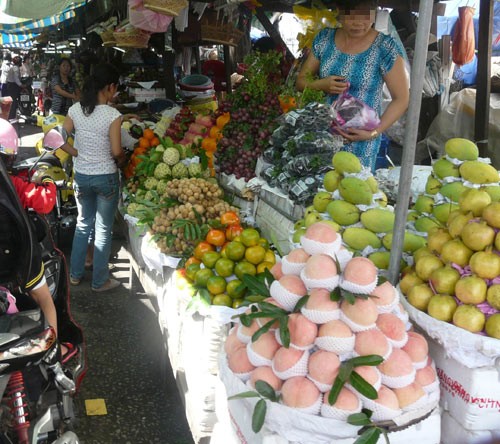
[{"x": 126, "y": 357}]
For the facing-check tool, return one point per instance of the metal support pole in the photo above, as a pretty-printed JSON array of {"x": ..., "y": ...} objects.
[
  {"x": 482, "y": 114},
  {"x": 410, "y": 139}
]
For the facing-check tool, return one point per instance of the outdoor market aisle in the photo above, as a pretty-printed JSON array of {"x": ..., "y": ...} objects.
[{"x": 127, "y": 365}]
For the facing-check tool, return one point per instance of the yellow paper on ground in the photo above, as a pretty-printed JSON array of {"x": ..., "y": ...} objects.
[{"x": 95, "y": 407}]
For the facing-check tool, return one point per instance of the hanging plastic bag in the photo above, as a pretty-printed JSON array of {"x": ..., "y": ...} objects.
[
  {"x": 145, "y": 19},
  {"x": 350, "y": 112},
  {"x": 464, "y": 41}
]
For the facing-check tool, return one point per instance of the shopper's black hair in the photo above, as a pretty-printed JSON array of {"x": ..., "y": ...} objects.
[
  {"x": 102, "y": 76},
  {"x": 64, "y": 59},
  {"x": 347, "y": 5}
]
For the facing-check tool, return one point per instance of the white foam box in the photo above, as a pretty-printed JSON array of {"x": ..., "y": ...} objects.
[
  {"x": 147, "y": 95},
  {"x": 452, "y": 432},
  {"x": 274, "y": 225},
  {"x": 471, "y": 395}
]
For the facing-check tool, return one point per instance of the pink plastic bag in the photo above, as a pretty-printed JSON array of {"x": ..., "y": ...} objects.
[
  {"x": 8, "y": 301},
  {"x": 351, "y": 112},
  {"x": 145, "y": 19}
]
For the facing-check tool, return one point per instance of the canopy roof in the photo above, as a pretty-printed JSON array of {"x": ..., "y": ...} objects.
[
  {"x": 37, "y": 9},
  {"x": 20, "y": 34}
]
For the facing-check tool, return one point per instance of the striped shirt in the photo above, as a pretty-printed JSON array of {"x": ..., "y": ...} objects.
[{"x": 60, "y": 104}]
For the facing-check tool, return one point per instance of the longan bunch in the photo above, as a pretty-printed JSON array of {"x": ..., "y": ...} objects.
[
  {"x": 133, "y": 185},
  {"x": 163, "y": 222},
  {"x": 194, "y": 190}
]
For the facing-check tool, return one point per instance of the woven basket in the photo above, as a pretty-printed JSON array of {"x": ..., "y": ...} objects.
[
  {"x": 225, "y": 34},
  {"x": 166, "y": 7},
  {"x": 132, "y": 38},
  {"x": 108, "y": 38}
]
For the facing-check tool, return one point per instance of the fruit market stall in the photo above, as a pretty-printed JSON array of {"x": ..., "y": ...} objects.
[{"x": 226, "y": 317}]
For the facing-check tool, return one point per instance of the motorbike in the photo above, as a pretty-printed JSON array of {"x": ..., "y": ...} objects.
[
  {"x": 58, "y": 165},
  {"x": 36, "y": 389},
  {"x": 26, "y": 98}
]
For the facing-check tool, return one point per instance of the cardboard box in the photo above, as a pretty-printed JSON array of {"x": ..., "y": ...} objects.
[
  {"x": 471, "y": 395},
  {"x": 452, "y": 432}
]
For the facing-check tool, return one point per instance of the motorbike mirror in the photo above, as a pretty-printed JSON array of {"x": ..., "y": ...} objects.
[{"x": 54, "y": 139}]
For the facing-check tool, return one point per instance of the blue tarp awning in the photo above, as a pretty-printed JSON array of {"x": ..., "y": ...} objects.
[{"x": 25, "y": 31}]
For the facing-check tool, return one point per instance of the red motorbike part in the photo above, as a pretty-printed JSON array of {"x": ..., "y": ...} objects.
[{"x": 18, "y": 406}]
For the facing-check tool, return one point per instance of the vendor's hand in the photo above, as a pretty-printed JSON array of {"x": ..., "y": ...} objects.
[
  {"x": 355, "y": 135},
  {"x": 336, "y": 84}
]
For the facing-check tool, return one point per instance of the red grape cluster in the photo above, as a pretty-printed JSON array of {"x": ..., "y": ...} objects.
[{"x": 247, "y": 134}]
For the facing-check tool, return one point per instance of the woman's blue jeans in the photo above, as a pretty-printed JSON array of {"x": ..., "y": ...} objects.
[{"x": 97, "y": 200}]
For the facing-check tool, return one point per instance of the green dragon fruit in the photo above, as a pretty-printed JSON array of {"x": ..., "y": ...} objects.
[
  {"x": 179, "y": 171},
  {"x": 171, "y": 156},
  {"x": 162, "y": 171}
]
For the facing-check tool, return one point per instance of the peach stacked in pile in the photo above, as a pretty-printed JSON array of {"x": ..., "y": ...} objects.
[{"x": 325, "y": 333}]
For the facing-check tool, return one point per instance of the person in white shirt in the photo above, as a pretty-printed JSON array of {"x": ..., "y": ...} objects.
[
  {"x": 6, "y": 64},
  {"x": 13, "y": 88},
  {"x": 98, "y": 155},
  {"x": 27, "y": 71}
]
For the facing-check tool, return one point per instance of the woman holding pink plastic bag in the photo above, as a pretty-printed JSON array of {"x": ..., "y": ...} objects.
[
  {"x": 145, "y": 19},
  {"x": 359, "y": 58}
]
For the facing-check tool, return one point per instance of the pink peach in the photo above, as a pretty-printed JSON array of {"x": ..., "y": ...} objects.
[
  {"x": 385, "y": 294},
  {"x": 293, "y": 284},
  {"x": 371, "y": 342},
  {"x": 238, "y": 361},
  {"x": 266, "y": 346},
  {"x": 398, "y": 364},
  {"x": 232, "y": 343},
  {"x": 265, "y": 374},
  {"x": 319, "y": 299},
  {"x": 286, "y": 358},
  {"x": 363, "y": 311},
  {"x": 387, "y": 398},
  {"x": 337, "y": 329},
  {"x": 324, "y": 366},
  {"x": 409, "y": 394},
  {"x": 360, "y": 270},
  {"x": 320, "y": 266},
  {"x": 391, "y": 326},
  {"x": 416, "y": 347},
  {"x": 425, "y": 376},
  {"x": 276, "y": 271},
  {"x": 321, "y": 232},
  {"x": 303, "y": 332},
  {"x": 346, "y": 400},
  {"x": 370, "y": 374},
  {"x": 299, "y": 392},
  {"x": 298, "y": 256}
]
